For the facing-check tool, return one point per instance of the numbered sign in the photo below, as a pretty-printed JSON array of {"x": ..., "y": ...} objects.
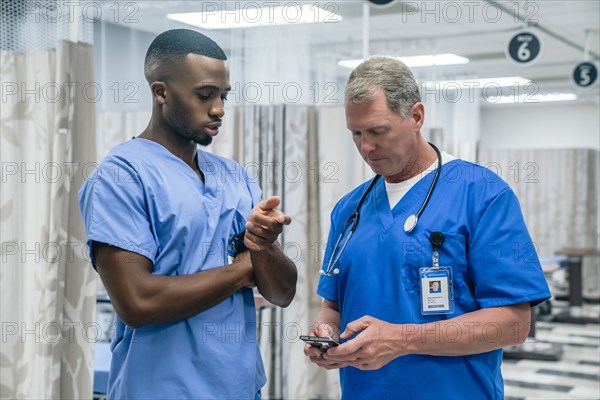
[
  {"x": 381, "y": 3},
  {"x": 585, "y": 74},
  {"x": 524, "y": 48}
]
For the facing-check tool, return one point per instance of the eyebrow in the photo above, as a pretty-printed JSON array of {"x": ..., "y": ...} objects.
[
  {"x": 371, "y": 128},
  {"x": 212, "y": 87}
]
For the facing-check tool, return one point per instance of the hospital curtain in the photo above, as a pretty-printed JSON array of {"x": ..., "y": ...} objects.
[
  {"x": 47, "y": 136},
  {"x": 304, "y": 155},
  {"x": 558, "y": 192},
  {"x": 277, "y": 144}
]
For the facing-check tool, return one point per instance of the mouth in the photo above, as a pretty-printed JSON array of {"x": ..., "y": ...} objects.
[{"x": 212, "y": 129}]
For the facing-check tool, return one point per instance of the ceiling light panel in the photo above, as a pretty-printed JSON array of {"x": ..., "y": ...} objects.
[
  {"x": 428, "y": 60},
  {"x": 249, "y": 15}
]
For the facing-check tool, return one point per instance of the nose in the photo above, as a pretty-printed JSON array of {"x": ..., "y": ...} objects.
[
  {"x": 217, "y": 108},
  {"x": 367, "y": 144}
]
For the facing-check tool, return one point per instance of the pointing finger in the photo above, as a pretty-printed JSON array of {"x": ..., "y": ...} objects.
[
  {"x": 284, "y": 219},
  {"x": 269, "y": 203}
]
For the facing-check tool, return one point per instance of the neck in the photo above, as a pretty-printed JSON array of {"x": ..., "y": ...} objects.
[
  {"x": 424, "y": 156},
  {"x": 159, "y": 132}
]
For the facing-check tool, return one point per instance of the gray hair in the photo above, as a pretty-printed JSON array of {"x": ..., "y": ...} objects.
[{"x": 391, "y": 75}]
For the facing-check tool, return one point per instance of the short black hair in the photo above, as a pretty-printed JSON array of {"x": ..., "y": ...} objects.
[{"x": 172, "y": 46}]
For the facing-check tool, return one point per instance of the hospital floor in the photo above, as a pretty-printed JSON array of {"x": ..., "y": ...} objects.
[{"x": 575, "y": 376}]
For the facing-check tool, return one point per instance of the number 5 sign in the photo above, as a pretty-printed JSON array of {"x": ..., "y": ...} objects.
[
  {"x": 524, "y": 48},
  {"x": 585, "y": 74}
]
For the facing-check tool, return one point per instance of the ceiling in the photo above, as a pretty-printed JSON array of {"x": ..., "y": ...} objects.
[{"x": 478, "y": 30}]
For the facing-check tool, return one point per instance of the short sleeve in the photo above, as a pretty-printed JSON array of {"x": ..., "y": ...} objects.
[
  {"x": 328, "y": 285},
  {"x": 503, "y": 262},
  {"x": 115, "y": 211}
]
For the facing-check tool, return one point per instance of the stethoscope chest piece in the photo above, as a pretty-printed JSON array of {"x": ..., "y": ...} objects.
[{"x": 410, "y": 223}]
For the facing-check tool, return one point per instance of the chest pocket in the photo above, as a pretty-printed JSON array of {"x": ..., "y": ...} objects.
[{"x": 418, "y": 253}]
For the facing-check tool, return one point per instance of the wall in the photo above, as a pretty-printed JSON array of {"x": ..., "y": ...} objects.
[
  {"x": 119, "y": 54},
  {"x": 541, "y": 126}
]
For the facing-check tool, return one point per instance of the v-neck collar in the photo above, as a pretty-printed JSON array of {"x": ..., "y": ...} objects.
[
  {"x": 408, "y": 205},
  {"x": 209, "y": 185}
]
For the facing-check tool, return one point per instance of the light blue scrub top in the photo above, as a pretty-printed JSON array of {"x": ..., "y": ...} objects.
[
  {"x": 144, "y": 199},
  {"x": 493, "y": 261}
]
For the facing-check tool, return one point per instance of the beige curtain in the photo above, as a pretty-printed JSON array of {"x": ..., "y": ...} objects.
[
  {"x": 278, "y": 146},
  {"x": 304, "y": 155},
  {"x": 47, "y": 287}
]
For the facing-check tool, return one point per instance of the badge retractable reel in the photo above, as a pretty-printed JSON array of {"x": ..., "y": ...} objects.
[{"x": 437, "y": 295}]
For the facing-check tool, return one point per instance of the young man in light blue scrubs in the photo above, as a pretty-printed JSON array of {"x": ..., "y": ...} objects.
[
  {"x": 162, "y": 218},
  {"x": 399, "y": 339}
]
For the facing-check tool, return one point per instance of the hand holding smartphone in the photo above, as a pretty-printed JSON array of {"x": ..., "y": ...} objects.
[{"x": 322, "y": 342}]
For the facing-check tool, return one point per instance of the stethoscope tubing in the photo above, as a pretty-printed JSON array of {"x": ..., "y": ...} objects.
[
  {"x": 355, "y": 216},
  {"x": 438, "y": 170}
]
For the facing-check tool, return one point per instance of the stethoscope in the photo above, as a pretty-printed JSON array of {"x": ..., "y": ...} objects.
[{"x": 352, "y": 221}]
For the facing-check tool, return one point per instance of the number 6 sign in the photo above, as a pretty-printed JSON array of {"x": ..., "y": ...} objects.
[{"x": 524, "y": 48}]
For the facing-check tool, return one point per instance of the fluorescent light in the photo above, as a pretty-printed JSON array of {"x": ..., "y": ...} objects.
[
  {"x": 532, "y": 98},
  {"x": 213, "y": 17},
  {"x": 503, "y": 81},
  {"x": 417, "y": 61},
  {"x": 479, "y": 83}
]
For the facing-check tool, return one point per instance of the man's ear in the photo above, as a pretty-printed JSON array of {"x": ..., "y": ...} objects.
[
  {"x": 159, "y": 92},
  {"x": 417, "y": 113}
]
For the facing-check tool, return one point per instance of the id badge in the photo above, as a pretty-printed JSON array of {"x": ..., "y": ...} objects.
[{"x": 437, "y": 295}]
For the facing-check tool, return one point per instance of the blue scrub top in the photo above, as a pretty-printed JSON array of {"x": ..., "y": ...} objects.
[
  {"x": 494, "y": 263},
  {"x": 144, "y": 199}
]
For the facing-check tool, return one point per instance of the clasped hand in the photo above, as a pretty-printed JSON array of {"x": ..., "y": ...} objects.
[{"x": 373, "y": 345}]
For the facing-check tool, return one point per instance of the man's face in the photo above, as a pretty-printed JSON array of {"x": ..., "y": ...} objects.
[
  {"x": 384, "y": 140},
  {"x": 195, "y": 94}
]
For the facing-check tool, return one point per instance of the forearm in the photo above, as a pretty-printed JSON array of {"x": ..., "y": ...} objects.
[
  {"x": 275, "y": 275},
  {"x": 155, "y": 299},
  {"x": 327, "y": 324},
  {"x": 327, "y": 319},
  {"x": 476, "y": 332},
  {"x": 372, "y": 343},
  {"x": 173, "y": 298}
]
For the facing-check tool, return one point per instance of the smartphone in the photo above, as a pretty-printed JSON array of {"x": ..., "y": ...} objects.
[{"x": 322, "y": 342}]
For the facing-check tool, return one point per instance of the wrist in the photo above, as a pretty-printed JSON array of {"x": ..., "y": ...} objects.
[
  {"x": 263, "y": 254},
  {"x": 245, "y": 273},
  {"x": 410, "y": 337},
  {"x": 263, "y": 248},
  {"x": 236, "y": 245}
]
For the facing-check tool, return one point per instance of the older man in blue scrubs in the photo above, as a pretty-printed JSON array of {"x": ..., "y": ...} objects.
[
  {"x": 399, "y": 339},
  {"x": 162, "y": 218}
]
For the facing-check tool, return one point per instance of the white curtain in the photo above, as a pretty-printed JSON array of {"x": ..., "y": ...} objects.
[
  {"x": 341, "y": 170},
  {"x": 47, "y": 287},
  {"x": 558, "y": 192}
]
